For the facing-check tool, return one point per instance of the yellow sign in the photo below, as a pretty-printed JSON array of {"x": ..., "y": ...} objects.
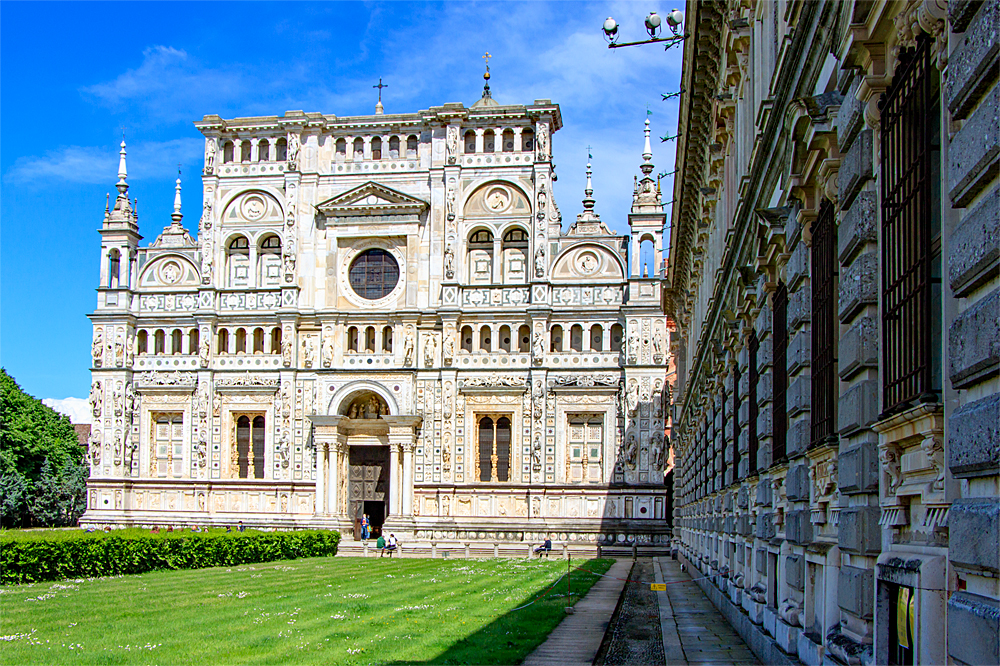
[{"x": 658, "y": 587}]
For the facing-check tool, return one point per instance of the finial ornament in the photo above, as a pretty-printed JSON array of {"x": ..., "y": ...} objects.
[
  {"x": 176, "y": 216},
  {"x": 647, "y": 151},
  {"x": 122, "y": 184},
  {"x": 486, "y": 77}
]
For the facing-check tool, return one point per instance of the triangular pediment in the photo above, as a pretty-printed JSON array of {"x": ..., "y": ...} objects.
[{"x": 371, "y": 199}]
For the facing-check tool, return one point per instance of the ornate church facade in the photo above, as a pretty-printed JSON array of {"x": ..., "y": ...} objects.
[{"x": 383, "y": 315}]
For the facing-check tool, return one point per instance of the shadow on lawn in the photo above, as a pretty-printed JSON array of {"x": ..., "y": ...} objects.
[{"x": 510, "y": 638}]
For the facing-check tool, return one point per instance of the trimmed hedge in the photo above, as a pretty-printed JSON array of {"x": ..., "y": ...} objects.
[{"x": 28, "y": 557}]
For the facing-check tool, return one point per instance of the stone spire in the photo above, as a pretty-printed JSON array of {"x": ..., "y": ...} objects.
[
  {"x": 588, "y": 222},
  {"x": 177, "y": 216},
  {"x": 646, "y": 198},
  {"x": 122, "y": 213}
]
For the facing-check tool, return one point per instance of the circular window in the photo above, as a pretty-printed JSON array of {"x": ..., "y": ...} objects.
[{"x": 374, "y": 274}]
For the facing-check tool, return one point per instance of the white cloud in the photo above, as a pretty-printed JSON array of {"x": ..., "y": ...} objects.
[
  {"x": 77, "y": 409},
  {"x": 92, "y": 165}
]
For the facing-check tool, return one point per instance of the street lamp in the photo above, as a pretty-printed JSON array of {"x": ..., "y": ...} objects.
[{"x": 653, "y": 23}]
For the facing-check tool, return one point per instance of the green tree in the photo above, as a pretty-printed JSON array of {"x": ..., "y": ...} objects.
[{"x": 42, "y": 472}]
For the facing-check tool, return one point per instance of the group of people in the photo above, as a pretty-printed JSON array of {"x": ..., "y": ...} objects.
[{"x": 383, "y": 545}]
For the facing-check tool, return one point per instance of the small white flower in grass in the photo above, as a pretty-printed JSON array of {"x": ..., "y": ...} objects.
[{"x": 241, "y": 595}]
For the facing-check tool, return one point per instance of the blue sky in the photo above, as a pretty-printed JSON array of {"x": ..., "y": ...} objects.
[{"x": 72, "y": 75}]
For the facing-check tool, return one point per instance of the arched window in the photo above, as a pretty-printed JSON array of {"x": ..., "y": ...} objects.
[
  {"x": 556, "y": 337},
  {"x": 508, "y": 141},
  {"x": 341, "y": 154},
  {"x": 576, "y": 338},
  {"x": 524, "y": 339},
  {"x": 481, "y": 257},
  {"x": 647, "y": 258},
  {"x": 377, "y": 148},
  {"x": 467, "y": 338},
  {"x": 370, "y": 339},
  {"x": 527, "y": 140},
  {"x": 263, "y": 150},
  {"x": 269, "y": 262},
  {"x": 228, "y": 152},
  {"x": 485, "y": 341},
  {"x": 387, "y": 339},
  {"x": 275, "y": 340},
  {"x": 176, "y": 342},
  {"x": 352, "y": 339},
  {"x": 505, "y": 338},
  {"x": 142, "y": 342},
  {"x": 494, "y": 449},
  {"x": 222, "y": 345},
  {"x": 515, "y": 255},
  {"x": 194, "y": 339},
  {"x": 486, "y": 436},
  {"x": 160, "y": 343},
  {"x": 241, "y": 341},
  {"x": 168, "y": 443},
  {"x": 470, "y": 142},
  {"x": 114, "y": 268},
  {"x": 239, "y": 262},
  {"x": 359, "y": 149},
  {"x": 489, "y": 141},
  {"x": 394, "y": 147},
  {"x": 258, "y": 341},
  {"x": 411, "y": 146},
  {"x": 245, "y": 151},
  {"x": 281, "y": 150},
  {"x": 597, "y": 337},
  {"x": 250, "y": 446},
  {"x": 616, "y": 337}
]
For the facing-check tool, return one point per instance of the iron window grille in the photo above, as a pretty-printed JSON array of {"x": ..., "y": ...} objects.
[
  {"x": 824, "y": 326},
  {"x": 736, "y": 423},
  {"x": 909, "y": 133}
]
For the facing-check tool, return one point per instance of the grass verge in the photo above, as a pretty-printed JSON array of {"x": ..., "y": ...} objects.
[{"x": 309, "y": 611}]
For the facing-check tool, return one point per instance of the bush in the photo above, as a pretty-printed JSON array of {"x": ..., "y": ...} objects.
[{"x": 29, "y": 557}]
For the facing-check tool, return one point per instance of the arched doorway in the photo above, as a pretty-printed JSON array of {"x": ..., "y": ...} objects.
[{"x": 368, "y": 464}]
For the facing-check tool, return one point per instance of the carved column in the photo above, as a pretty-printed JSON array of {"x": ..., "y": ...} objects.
[
  {"x": 320, "y": 477},
  {"x": 394, "y": 484},
  {"x": 407, "y": 480}
]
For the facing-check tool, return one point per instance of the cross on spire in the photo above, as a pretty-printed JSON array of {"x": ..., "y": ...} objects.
[
  {"x": 487, "y": 59},
  {"x": 590, "y": 154},
  {"x": 380, "y": 86}
]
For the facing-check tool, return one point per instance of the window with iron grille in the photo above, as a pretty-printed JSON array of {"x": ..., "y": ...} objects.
[
  {"x": 911, "y": 229},
  {"x": 736, "y": 423},
  {"x": 779, "y": 381},
  {"x": 752, "y": 347},
  {"x": 824, "y": 326},
  {"x": 722, "y": 435}
]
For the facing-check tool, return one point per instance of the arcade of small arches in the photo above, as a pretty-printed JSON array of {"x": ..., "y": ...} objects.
[
  {"x": 235, "y": 340},
  {"x": 498, "y": 140}
]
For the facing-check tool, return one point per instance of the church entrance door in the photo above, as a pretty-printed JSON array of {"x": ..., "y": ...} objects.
[{"x": 368, "y": 485}]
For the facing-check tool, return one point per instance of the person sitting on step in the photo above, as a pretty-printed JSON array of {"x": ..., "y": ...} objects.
[{"x": 545, "y": 548}]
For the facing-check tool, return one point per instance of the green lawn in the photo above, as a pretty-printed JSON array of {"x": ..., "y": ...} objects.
[{"x": 310, "y": 611}]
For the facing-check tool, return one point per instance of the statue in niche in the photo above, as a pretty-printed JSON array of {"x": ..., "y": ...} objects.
[
  {"x": 95, "y": 448},
  {"x": 446, "y": 452},
  {"x": 449, "y": 262},
  {"x": 656, "y": 453},
  {"x": 451, "y": 143},
  {"x": 632, "y": 398},
  {"x": 281, "y": 450},
  {"x": 217, "y": 405},
  {"x": 538, "y": 398},
  {"x": 538, "y": 345},
  {"x": 201, "y": 451},
  {"x": 430, "y": 346},
  {"x": 449, "y": 203},
  {"x": 96, "y": 399},
  {"x": 289, "y": 263},
  {"x": 542, "y": 142},
  {"x": 205, "y": 222},
  {"x": 631, "y": 453},
  {"x": 408, "y": 347},
  {"x": 658, "y": 343},
  {"x": 633, "y": 346},
  {"x": 97, "y": 349},
  {"x": 540, "y": 262},
  {"x": 129, "y": 351},
  {"x": 449, "y": 347},
  {"x": 536, "y": 453},
  {"x": 206, "y": 261},
  {"x": 204, "y": 353},
  {"x": 328, "y": 349},
  {"x": 117, "y": 401},
  {"x": 307, "y": 351},
  {"x": 542, "y": 200},
  {"x": 286, "y": 350},
  {"x": 211, "y": 147},
  {"x": 203, "y": 401},
  {"x": 368, "y": 406},
  {"x": 293, "y": 150}
]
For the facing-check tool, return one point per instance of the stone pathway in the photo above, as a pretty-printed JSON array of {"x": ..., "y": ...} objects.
[
  {"x": 694, "y": 632},
  {"x": 576, "y": 640},
  {"x": 679, "y": 626}
]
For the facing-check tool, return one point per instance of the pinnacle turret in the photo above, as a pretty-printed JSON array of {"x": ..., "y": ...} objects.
[{"x": 177, "y": 216}]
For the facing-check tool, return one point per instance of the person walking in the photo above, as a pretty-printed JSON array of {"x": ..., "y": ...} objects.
[{"x": 365, "y": 527}]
